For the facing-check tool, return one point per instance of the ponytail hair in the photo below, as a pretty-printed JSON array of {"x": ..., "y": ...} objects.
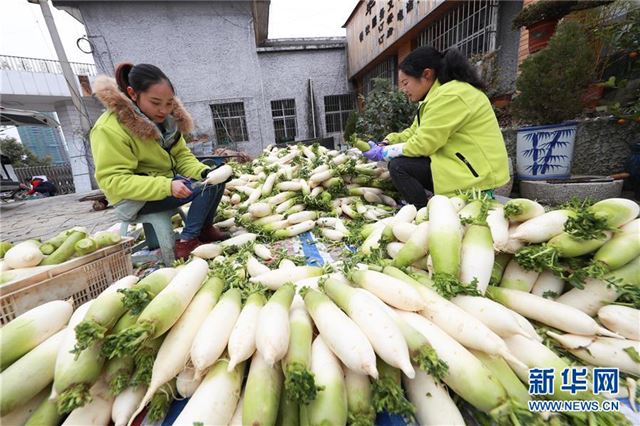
[
  {"x": 448, "y": 66},
  {"x": 139, "y": 77}
]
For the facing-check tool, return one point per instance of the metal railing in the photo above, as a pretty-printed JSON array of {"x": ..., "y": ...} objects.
[
  {"x": 19, "y": 63},
  {"x": 61, "y": 176},
  {"x": 470, "y": 27}
]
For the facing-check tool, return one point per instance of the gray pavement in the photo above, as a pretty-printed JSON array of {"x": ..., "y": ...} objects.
[{"x": 44, "y": 218}]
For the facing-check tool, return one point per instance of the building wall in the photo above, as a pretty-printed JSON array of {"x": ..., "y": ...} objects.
[
  {"x": 217, "y": 61},
  {"x": 286, "y": 75},
  {"x": 523, "y": 48},
  {"x": 508, "y": 44},
  {"x": 506, "y": 39}
]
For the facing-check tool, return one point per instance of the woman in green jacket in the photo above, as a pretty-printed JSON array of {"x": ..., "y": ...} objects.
[
  {"x": 142, "y": 161},
  {"x": 455, "y": 141}
]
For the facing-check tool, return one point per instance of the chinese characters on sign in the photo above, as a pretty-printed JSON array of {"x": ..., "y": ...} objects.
[
  {"x": 574, "y": 380},
  {"x": 378, "y": 20}
]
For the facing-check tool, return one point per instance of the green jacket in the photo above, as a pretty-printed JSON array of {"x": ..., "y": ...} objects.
[
  {"x": 130, "y": 162},
  {"x": 457, "y": 128}
]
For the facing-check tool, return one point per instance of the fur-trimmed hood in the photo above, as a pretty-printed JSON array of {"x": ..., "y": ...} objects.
[{"x": 107, "y": 92}]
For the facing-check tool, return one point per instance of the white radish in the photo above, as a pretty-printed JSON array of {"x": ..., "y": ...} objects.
[
  {"x": 458, "y": 203},
  {"x": 383, "y": 333},
  {"x": 302, "y": 217},
  {"x": 513, "y": 244},
  {"x": 29, "y": 375},
  {"x": 23, "y": 255},
  {"x": 30, "y": 329},
  {"x": 330, "y": 405},
  {"x": 341, "y": 334},
  {"x": 289, "y": 186},
  {"x": 522, "y": 209},
  {"x": 477, "y": 257},
  {"x": 22, "y": 414},
  {"x": 260, "y": 209},
  {"x": 308, "y": 282},
  {"x": 462, "y": 326},
  {"x": 280, "y": 198},
  {"x": 219, "y": 175},
  {"x": 466, "y": 376},
  {"x": 207, "y": 251},
  {"x": 242, "y": 341},
  {"x": 287, "y": 264},
  {"x": 403, "y": 231},
  {"x": 187, "y": 382},
  {"x": 268, "y": 219},
  {"x": 602, "y": 351},
  {"x": 391, "y": 290},
  {"x": 174, "y": 352},
  {"x": 296, "y": 229},
  {"x": 272, "y": 332},
  {"x": 236, "y": 420},
  {"x": 96, "y": 412},
  {"x": 255, "y": 267},
  {"x": 274, "y": 279},
  {"x": 517, "y": 278},
  {"x": 332, "y": 234},
  {"x": 555, "y": 314},
  {"x": 125, "y": 405},
  {"x": 548, "y": 285},
  {"x": 499, "y": 227},
  {"x": 226, "y": 224},
  {"x": 262, "y": 252},
  {"x": 267, "y": 186},
  {"x": 622, "y": 320},
  {"x": 262, "y": 392},
  {"x": 416, "y": 247},
  {"x": 321, "y": 176},
  {"x": 433, "y": 404},
  {"x": 492, "y": 314},
  {"x": 445, "y": 236},
  {"x": 542, "y": 228},
  {"x": 239, "y": 241},
  {"x": 215, "y": 400},
  {"x": 393, "y": 249},
  {"x": 213, "y": 335}
]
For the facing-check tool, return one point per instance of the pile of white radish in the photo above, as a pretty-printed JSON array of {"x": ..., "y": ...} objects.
[
  {"x": 458, "y": 297},
  {"x": 285, "y": 191},
  {"x": 33, "y": 256}
]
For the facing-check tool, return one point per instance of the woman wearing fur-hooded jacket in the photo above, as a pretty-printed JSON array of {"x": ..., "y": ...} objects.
[{"x": 142, "y": 163}]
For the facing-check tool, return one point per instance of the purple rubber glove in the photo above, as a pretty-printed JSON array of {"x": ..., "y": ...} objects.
[{"x": 374, "y": 153}]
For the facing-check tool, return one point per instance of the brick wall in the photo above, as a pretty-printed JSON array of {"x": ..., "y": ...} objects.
[{"x": 523, "y": 50}]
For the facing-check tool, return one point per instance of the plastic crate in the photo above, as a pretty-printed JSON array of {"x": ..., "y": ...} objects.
[{"x": 82, "y": 279}]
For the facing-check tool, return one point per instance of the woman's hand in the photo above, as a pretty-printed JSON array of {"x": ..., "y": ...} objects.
[{"x": 179, "y": 189}]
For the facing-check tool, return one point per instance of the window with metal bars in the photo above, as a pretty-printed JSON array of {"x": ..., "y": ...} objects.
[
  {"x": 336, "y": 111},
  {"x": 284, "y": 119},
  {"x": 386, "y": 69},
  {"x": 470, "y": 27},
  {"x": 230, "y": 122}
]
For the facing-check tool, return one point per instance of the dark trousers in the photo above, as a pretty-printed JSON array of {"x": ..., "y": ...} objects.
[
  {"x": 46, "y": 188},
  {"x": 411, "y": 176},
  {"x": 204, "y": 202}
]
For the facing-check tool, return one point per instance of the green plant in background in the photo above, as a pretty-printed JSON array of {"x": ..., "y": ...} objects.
[
  {"x": 552, "y": 81},
  {"x": 615, "y": 34},
  {"x": 544, "y": 10},
  {"x": 350, "y": 125},
  {"x": 385, "y": 111},
  {"x": 20, "y": 155}
]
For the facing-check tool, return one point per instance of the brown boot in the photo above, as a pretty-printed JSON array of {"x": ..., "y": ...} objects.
[
  {"x": 212, "y": 233},
  {"x": 184, "y": 248}
]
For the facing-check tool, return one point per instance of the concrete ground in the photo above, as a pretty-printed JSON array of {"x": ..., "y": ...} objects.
[{"x": 46, "y": 217}]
